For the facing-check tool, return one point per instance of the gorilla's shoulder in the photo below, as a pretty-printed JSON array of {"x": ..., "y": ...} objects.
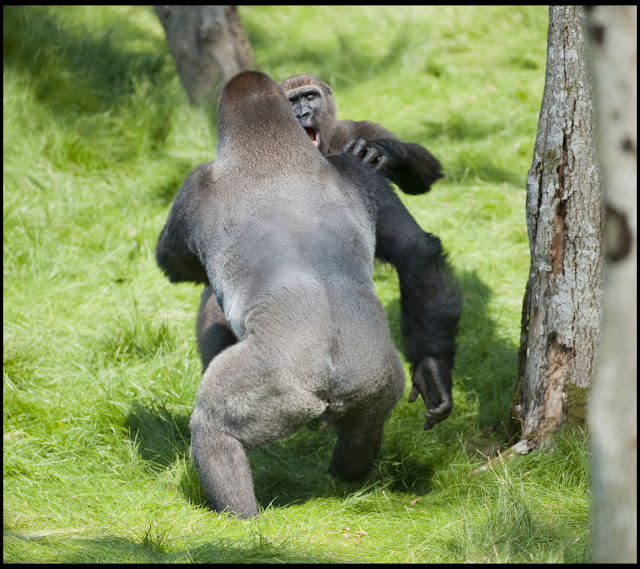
[{"x": 201, "y": 178}]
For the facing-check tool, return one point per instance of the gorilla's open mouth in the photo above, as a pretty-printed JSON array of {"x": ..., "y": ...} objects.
[{"x": 314, "y": 135}]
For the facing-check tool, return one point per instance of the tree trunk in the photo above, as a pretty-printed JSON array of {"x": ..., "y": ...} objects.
[
  {"x": 561, "y": 313},
  {"x": 209, "y": 46},
  {"x": 613, "y": 398}
]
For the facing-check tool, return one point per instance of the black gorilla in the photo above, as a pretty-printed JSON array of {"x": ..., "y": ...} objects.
[
  {"x": 431, "y": 303},
  {"x": 413, "y": 168},
  {"x": 286, "y": 239}
]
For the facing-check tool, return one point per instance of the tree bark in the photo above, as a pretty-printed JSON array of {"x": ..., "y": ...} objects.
[
  {"x": 562, "y": 308},
  {"x": 613, "y": 398},
  {"x": 209, "y": 46}
]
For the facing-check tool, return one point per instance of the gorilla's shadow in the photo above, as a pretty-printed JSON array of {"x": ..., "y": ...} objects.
[
  {"x": 81, "y": 74},
  {"x": 161, "y": 434},
  {"x": 290, "y": 471},
  {"x": 295, "y": 469},
  {"x": 486, "y": 362}
]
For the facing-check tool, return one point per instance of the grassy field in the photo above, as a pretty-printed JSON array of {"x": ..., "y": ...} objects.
[{"x": 100, "y": 367}]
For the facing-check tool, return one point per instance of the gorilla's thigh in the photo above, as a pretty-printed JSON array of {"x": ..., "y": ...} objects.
[
  {"x": 360, "y": 422},
  {"x": 254, "y": 396},
  {"x": 368, "y": 374},
  {"x": 370, "y": 380}
]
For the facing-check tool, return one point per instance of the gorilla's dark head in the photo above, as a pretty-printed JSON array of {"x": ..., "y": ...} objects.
[{"x": 254, "y": 114}]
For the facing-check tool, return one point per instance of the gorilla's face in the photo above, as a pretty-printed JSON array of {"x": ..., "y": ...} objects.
[{"x": 307, "y": 106}]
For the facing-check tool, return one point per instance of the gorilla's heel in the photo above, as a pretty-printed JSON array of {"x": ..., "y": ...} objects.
[
  {"x": 354, "y": 454},
  {"x": 224, "y": 471}
]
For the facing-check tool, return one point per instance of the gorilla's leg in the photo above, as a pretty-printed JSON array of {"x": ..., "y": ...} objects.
[
  {"x": 369, "y": 380},
  {"x": 355, "y": 451},
  {"x": 247, "y": 398},
  {"x": 430, "y": 301},
  {"x": 212, "y": 329},
  {"x": 360, "y": 427},
  {"x": 224, "y": 470}
]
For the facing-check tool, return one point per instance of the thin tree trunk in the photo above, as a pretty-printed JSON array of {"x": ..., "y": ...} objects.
[
  {"x": 613, "y": 398},
  {"x": 209, "y": 46},
  {"x": 562, "y": 305}
]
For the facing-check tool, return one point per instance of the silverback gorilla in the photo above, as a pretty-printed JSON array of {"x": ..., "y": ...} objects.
[
  {"x": 286, "y": 238},
  {"x": 430, "y": 300}
]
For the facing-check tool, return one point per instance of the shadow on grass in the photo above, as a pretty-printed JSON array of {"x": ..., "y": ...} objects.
[
  {"x": 151, "y": 547},
  {"x": 294, "y": 470},
  {"x": 57, "y": 55},
  {"x": 486, "y": 364},
  {"x": 161, "y": 434},
  {"x": 340, "y": 65},
  {"x": 109, "y": 101},
  {"x": 291, "y": 471}
]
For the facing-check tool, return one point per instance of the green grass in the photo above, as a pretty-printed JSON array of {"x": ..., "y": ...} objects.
[{"x": 100, "y": 367}]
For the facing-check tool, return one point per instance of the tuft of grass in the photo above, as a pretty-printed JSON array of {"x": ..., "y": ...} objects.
[{"x": 100, "y": 367}]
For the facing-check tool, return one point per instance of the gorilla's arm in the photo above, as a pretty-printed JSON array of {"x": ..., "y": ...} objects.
[
  {"x": 177, "y": 261},
  {"x": 410, "y": 166},
  {"x": 175, "y": 251},
  {"x": 413, "y": 168},
  {"x": 430, "y": 302},
  {"x": 213, "y": 333}
]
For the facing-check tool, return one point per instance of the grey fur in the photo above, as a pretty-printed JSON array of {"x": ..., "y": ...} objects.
[
  {"x": 286, "y": 239},
  {"x": 431, "y": 302}
]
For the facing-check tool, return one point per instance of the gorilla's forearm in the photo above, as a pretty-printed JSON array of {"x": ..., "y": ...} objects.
[
  {"x": 431, "y": 305},
  {"x": 430, "y": 302},
  {"x": 410, "y": 166}
]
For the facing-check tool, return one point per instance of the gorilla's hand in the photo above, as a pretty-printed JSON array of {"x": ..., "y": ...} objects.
[
  {"x": 369, "y": 152},
  {"x": 432, "y": 380}
]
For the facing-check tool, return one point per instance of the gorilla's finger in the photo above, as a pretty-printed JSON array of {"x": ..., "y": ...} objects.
[
  {"x": 346, "y": 149},
  {"x": 381, "y": 163},
  {"x": 414, "y": 394},
  {"x": 370, "y": 156},
  {"x": 360, "y": 147}
]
